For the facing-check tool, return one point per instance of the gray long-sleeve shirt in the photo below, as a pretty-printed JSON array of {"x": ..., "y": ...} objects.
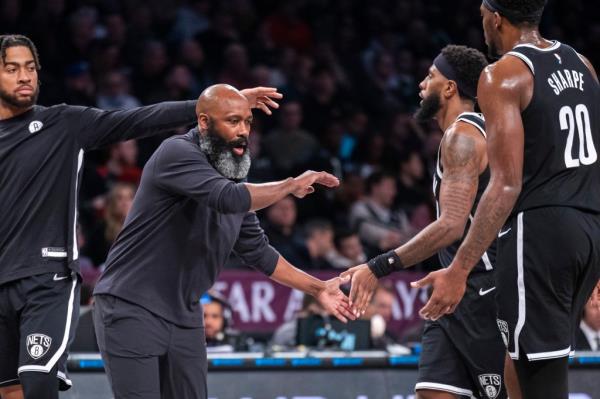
[{"x": 185, "y": 221}]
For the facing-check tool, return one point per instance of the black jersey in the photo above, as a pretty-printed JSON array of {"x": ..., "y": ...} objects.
[
  {"x": 41, "y": 158},
  {"x": 446, "y": 255},
  {"x": 562, "y": 131}
]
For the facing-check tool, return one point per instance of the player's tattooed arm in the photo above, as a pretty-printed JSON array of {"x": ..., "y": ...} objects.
[
  {"x": 462, "y": 153},
  {"x": 505, "y": 89}
]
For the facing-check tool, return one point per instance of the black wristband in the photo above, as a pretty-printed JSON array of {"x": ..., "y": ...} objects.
[{"x": 385, "y": 264}]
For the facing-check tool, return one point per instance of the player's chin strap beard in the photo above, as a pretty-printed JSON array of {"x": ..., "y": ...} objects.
[{"x": 220, "y": 156}]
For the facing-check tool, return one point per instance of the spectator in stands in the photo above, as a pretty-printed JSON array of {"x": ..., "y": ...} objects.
[
  {"x": 190, "y": 20},
  {"x": 379, "y": 225},
  {"x": 80, "y": 87},
  {"x": 218, "y": 319},
  {"x": 192, "y": 55},
  {"x": 121, "y": 165},
  {"x": 588, "y": 334},
  {"x": 236, "y": 69},
  {"x": 82, "y": 33},
  {"x": 280, "y": 226},
  {"x": 348, "y": 245},
  {"x": 116, "y": 29},
  {"x": 118, "y": 203},
  {"x": 380, "y": 312},
  {"x": 411, "y": 192},
  {"x": 88, "y": 270},
  {"x": 370, "y": 157},
  {"x": 324, "y": 102},
  {"x": 153, "y": 67},
  {"x": 285, "y": 335},
  {"x": 115, "y": 92},
  {"x": 288, "y": 145},
  {"x": 382, "y": 92},
  {"x": 320, "y": 246},
  {"x": 180, "y": 83}
]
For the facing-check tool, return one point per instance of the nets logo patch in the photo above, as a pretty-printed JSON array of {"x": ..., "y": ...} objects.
[
  {"x": 35, "y": 126},
  {"x": 490, "y": 383},
  {"x": 503, "y": 327},
  {"x": 38, "y": 345}
]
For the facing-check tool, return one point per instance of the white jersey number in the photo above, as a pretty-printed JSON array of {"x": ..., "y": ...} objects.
[{"x": 580, "y": 118}]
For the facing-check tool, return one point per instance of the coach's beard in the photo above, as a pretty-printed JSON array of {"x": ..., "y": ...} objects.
[
  {"x": 430, "y": 106},
  {"x": 221, "y": 157}
]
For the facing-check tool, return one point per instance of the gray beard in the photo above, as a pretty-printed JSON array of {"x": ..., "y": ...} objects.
[{"x": 222, "y": 158}]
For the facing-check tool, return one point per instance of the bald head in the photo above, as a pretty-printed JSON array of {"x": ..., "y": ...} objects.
[
  {"x": 219, "y": 97},
  {"x": 224, "y": 121}
]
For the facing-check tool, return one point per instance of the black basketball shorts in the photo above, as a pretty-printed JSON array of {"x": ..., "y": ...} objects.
[
  {"x": 548, "y": 263},
  {"x": 38, "y": 318},
  {"x": 462, "y": 353}
]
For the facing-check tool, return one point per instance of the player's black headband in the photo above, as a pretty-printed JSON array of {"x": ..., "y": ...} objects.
[
  {"x": 512, "y": 15},
  {"x": 442, "y": 65}
]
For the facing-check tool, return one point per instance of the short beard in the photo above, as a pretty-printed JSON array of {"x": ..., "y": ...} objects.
[
  {"x": 221, "y": 156},
  {"x": 12, "y": 99},
  {"x": 429, "y": 107}
]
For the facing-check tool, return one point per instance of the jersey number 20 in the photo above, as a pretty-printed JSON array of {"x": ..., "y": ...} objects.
[{"x": 581, "y": 118}]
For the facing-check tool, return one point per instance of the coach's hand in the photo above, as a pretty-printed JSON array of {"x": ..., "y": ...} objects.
[
  {"x": 363, "y": 285},
  {"x": 304, "y": 183},
  {"x": 448, "y": 285},
  {"x": 262, "y": 98},
  {"x": 334, "y": 301}
]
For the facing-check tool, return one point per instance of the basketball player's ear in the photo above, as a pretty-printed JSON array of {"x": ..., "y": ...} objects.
[
  {"x": 203, "y": 122},
  {"x": 497, "y": 20},
  {"x": 451, "y": 89}
]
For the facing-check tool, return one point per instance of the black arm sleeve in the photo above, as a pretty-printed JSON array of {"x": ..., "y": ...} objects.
[
  {"x": 181, "y": 167},
  {"x": 252, "y": 246},
  {"x": 96, "y": 128}
]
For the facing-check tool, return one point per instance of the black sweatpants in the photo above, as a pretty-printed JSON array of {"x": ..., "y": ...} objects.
[{"x": 145, "y": 356}]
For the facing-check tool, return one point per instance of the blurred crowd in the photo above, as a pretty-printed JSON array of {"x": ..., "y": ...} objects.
[{"x": 349, "y": 71}]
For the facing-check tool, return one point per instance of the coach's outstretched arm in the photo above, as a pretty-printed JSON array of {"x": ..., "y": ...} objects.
[
  {"x": 252, "y": 246},
  {"x": 505, "y": 89},
  {"x": 97, "y": 128},
  {"x": 182, "y": 169},
  {"x": 328, "y": 292},
  {"x": 266, "y": 194}
]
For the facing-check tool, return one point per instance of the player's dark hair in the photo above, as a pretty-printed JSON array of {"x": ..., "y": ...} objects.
[
  {"x": 315, "y": 225},
  {"x": 523, "y": 12},
  {"x": 7, "y": 41},
  {"x": 374, "y": 179},
  {"x": 467, "y": 62},
  {"x": 342, "y": 234}
]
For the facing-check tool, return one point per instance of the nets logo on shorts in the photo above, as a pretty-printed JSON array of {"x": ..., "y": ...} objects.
[
  {"x": 38, "y": 345},
  {"x": 491, "y": 384},
  {"x": 503, "y": 327}
]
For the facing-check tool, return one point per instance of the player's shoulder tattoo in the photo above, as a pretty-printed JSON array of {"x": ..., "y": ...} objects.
[{"x": 459, "y": 149}]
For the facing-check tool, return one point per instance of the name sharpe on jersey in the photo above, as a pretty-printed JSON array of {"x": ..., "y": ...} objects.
[{"x": 565, "y": 79}]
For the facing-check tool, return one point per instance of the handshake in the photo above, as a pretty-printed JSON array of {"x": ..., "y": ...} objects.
[
  {"x": 363, "y": 284},
  {"x": 363, "y": 281}
]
